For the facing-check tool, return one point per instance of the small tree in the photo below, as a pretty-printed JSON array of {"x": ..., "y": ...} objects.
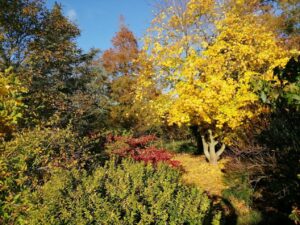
[
  {"x": 120, "y": 62},
  {"x": 207, "y": 82}
]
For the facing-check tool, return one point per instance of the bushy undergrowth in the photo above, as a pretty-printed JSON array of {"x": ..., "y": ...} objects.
[
  {"x": 27, "y": 161},
  {"x": 178, "y": 146},
  {"x": 127, "y": 193}
]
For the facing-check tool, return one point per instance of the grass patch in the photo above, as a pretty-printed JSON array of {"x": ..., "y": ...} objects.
[{"x": 178, "y": 146}]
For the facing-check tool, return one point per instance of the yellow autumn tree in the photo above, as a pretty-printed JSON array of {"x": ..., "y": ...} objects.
[{"x": 206, "y": 60}]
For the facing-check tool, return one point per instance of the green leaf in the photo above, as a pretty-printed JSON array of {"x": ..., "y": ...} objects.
[{"x": 263, "y": 97}]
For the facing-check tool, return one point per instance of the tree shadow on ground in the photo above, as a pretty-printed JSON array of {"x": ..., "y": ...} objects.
[{"x": 219, "y": 204}]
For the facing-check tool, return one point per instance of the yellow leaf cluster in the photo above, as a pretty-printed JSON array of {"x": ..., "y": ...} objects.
[{"x": 10, "y": 101}]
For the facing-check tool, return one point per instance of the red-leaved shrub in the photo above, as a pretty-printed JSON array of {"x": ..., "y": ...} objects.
[
  {"x": 154, "y": 155},
  {"x": 139, "y": 149}
]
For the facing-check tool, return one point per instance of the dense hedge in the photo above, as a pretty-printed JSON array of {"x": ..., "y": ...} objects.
[
  {"x": 128, "y": 193},
  {"x": 27, "y": 162}
]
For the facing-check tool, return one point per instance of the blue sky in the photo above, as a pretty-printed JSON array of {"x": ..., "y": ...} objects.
[{"x": 98, "y": 20}]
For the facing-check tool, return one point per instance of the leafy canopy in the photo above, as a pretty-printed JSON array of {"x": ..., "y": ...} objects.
[{"x": 208, "y": 81}]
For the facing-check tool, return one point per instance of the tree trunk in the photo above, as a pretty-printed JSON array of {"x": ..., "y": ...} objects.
[
  {"x": 195, "y": 132},
  {"x": 209, "y": 148}
]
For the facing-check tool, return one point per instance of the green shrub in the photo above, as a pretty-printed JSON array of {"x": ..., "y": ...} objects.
[
  {"x": 128, "y": 193},
  {"x": 295, "y": 215},
  {"x": 251, "y": 218},
  {"x": 26, "y": 162},
  {"x": 217, "y": 218}
]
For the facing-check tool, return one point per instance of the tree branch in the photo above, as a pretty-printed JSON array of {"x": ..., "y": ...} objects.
[{"x": 221, "y": 150}]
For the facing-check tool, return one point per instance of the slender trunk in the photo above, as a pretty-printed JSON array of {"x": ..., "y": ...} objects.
[
  {"x": 205, "y": 148},
  {"x": 195, "y": 132}
]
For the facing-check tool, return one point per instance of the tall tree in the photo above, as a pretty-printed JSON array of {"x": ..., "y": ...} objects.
[
  {"x": 120, "y": 62},
  {"x": 40, "y": 46},
  {"x": 58, "y": 66},
  {"x": 19, "y": 21}
]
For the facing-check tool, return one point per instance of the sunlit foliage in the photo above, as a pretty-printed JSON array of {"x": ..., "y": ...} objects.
[
  {"x": 11, "y": 103},
  {"x": 209, "y": 82}
]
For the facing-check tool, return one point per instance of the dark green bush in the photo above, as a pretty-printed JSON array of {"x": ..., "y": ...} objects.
[
  {"x": 177, "y": 146},
  {"x": 128, "y": 193}
]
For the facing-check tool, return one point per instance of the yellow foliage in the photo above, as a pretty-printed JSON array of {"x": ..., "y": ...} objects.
[
  {"x": 10, "y": 101},
  {"x": 208, "y": 81}
]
